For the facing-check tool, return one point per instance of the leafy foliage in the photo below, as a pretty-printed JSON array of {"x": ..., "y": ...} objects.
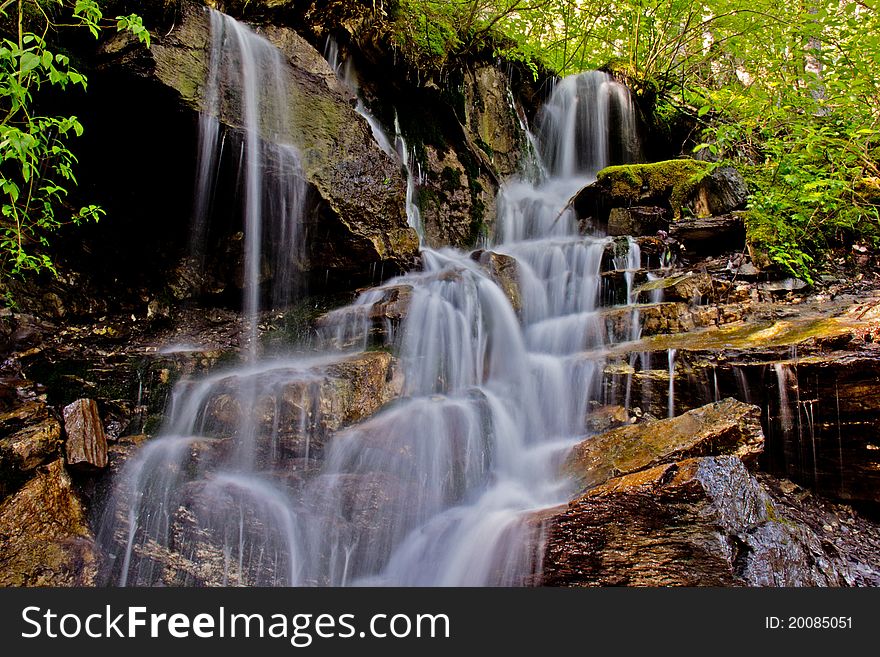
[
  {"x": 787, "y": 90},
  {"x": 36, "y": 164}
]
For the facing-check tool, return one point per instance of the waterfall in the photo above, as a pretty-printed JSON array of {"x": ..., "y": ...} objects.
[
  {"x": 414, "y": 178},
  {"x": 246, "y": 79},
  {"x": 248, "y": 484},
  {"x": 587, "y": 124},
  {"x": 345, "y": 71}
]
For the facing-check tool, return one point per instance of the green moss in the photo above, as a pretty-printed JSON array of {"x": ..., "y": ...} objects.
[
  {"x": 451, "y": 179},
  {"x": 674, "y": 179}
]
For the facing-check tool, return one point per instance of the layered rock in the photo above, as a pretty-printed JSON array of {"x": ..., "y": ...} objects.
[
  {"x": 726, "y": 427},
  {"x": 813, "y": 374},
  {"x": 44, "y": 535},
  {"x": 298, "y": 411},
  {"x": 700, "y": 522},
  {"x": 30, "y": 436},
  {"x": 86, "y": 444}
]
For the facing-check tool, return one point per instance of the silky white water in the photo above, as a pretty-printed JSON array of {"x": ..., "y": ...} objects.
[{"x": 246, "y": 485}]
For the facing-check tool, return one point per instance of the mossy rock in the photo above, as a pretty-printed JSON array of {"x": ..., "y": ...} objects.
[{"x": 674, "y": 180}]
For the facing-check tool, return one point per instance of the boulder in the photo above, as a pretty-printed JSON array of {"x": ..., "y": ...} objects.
[
  {"x": 721, "y": 192},
  {"x": 86, "y": 444},
  {"x": 502, "y": 269},
  {"x": 372, "y": 321},
  {"x": 700, "y": 522},
  {"x": 299, "y": 411},
  {"x": 667, "y": 184},
  {"x": 44, "y": 535},
  {"x": 629, "y": 197},
  {"x": 725, "y": 427}
]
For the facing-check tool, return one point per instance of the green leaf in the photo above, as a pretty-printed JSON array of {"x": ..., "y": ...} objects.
[{"x": 28, "y": 62}]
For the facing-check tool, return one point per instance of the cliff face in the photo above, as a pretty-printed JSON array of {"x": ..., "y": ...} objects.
[{"x": 357, "y": 220}]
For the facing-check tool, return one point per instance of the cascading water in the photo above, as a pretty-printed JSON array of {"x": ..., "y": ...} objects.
[
  {"x": 346, "y": 73},
  {"x": 247, "y": 485},
  {"x": 414, "y": 178}
]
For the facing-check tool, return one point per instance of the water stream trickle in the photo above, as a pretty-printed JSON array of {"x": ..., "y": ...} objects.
[{"x": 247, "y": 485}]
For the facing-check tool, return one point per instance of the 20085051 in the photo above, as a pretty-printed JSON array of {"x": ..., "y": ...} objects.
[{"x": 809, "y": 622}]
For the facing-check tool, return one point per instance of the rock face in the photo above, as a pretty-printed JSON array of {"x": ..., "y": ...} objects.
[
  {"x": 86, "y": 444},
  {"x": 44, "y": 536},
  {"x": 490, "y": 119},
  {"x": 359, "y": 219},
  {"x": 719, "y": 193},
  {"x": 700, "y": 522},
  {"x": 726, "y": 427},
  {"x": 29, "y": 438}
]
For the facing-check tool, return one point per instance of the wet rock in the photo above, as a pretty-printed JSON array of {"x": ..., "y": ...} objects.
[
  {"x": 44, "y": 535},
  {"x": 503, "y": 270},
  {"x": 455, "y": 197},
  {"x": 637, "y": 220},
  {"x": 815, "y": 381},
  {"x": 669, "y": 317},
  {"x": 490, "y": 119},
  {"x": 701, "y": 522},
  {"x": 726, "y": 427},
  {"x": 605, "y": 418},
  {"x": 373, "y": 322},
  {"x": 690, "y": 287},
  {"x": 710, "y": 235},
  {"x": 86, "y": 444},
  {"x": 359, "y": 386},
  {"x": 300, "y": 411}
]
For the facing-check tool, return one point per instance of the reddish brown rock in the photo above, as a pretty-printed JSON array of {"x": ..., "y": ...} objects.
[
  {"x": 29, "y": 438},
  {"x": 701, "y": 522},
  {"x": 86, "y": 445},
  {"x": 44, "y": 535},
  {"x": 725, "y": 427}
]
